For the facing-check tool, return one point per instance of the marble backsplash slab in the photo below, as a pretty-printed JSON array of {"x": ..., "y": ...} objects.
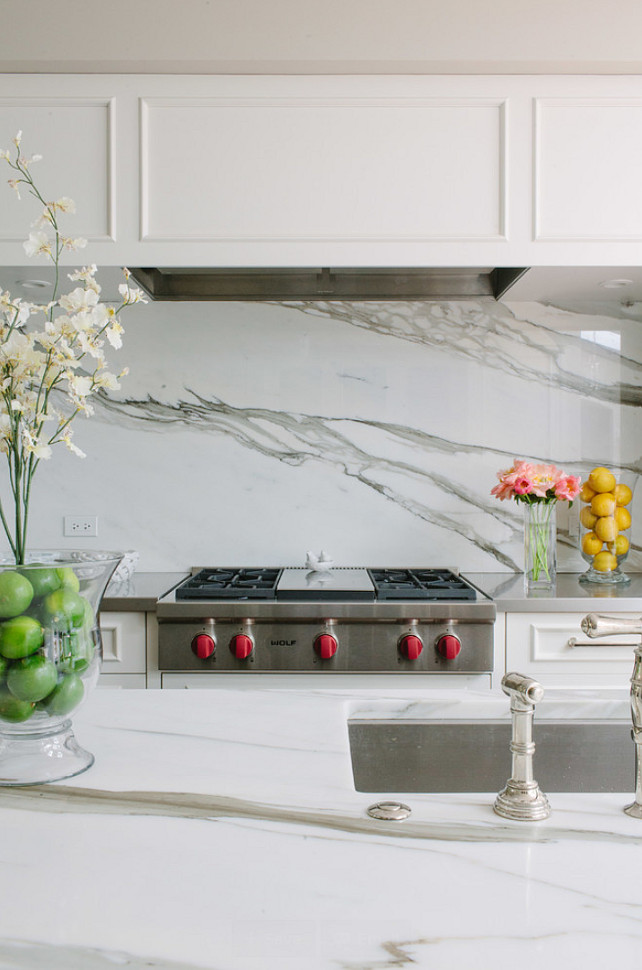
[{"x": 249, "y": 433}]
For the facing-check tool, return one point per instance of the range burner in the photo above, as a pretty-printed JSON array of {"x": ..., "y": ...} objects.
[
  {"x": 224, "y": 583},
  {"x": 423, "y": 584}
]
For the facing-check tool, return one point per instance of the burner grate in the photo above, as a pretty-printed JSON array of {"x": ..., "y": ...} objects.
[
  {"x": 224, "y": 583},
  {"x": 424, "y": 584}
]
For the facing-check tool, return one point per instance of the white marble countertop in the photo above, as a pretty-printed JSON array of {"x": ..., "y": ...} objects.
[{"x": 220, "y": 829}]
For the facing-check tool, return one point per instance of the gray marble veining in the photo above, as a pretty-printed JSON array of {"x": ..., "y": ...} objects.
[{"x": 373, "y": 429}]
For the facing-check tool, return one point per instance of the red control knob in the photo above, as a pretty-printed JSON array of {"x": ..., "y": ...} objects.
[
  {"x": 203, "y": 645},
  {"x": 449, "y": 646},
  {"x": 410, "y": 646},
  {"x": 326, "y": 646},
  {"x": 241, "y": 646}
]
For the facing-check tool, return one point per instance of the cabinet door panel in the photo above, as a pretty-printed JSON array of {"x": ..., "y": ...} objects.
[
  {"x": 124, "y": 642},
  {"x": 552, "y": 648},
  {"x": 312, "y": 168},
  {"x": 76, "y": 140},
  {"x": 588, "y": 169}
]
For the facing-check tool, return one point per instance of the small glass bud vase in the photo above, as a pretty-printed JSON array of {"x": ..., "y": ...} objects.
[{"x": 540, "y": 541}]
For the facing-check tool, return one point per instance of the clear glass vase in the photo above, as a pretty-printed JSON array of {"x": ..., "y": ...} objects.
[
  {"x": 540, "y": 542},
  {"x": 606, "y": 522},
  {"x": 50, "y": 656}
]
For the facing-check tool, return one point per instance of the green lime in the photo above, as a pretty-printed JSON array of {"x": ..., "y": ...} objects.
[
  {"x": 77, "y": 649},
  {"x": 43, "y": 580},
  {"x": 16, "y": 593},
  {"x": 33, "y": 678},
  {"x": 68, "y": 578},
  {"x": 4, "y": 663},
  {"x": 12, "y": 708},
  {"x": 65, "y": 696},
  {"x": 20, "y": 636},
  {"x": 89, "y": 621},
  {"x": 64, "y": 608}
]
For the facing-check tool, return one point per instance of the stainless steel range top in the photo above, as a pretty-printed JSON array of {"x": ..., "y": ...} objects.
[{"x": 345, "y": 620}]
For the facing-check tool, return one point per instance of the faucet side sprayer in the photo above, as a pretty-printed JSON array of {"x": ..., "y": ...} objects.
[{"x": 521, "y": 799}]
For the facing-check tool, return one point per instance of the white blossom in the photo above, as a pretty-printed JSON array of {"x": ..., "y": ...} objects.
[
  {"x": 35, "y": 445},
  {"x": 80, "y": 386},
  {"x": 65, "y": 204},
  {"x": 86, "y": 276},
  {"x": 66, "y": 438},
  {"x": 107, "y": 381},
  {"x": 79, "y": 300},
  {"x": 73, "y": 245},
  {"x": 131, "y": 295},
  {"x": 113, "y": 333},
  {"x": 38, "y": 242}
]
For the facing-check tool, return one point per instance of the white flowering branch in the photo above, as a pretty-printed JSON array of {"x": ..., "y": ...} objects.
[{"x": 64, "y": 361}]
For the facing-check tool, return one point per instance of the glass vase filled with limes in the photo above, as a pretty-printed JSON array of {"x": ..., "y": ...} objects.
[
  {"x": 50, "y": 655},
  {"x": 605, "y": 524}
]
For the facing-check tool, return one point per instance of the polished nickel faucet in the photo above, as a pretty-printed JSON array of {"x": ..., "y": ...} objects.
[
  {"x": 521, "y": 798},
  {"x": 595, "y": 625}
]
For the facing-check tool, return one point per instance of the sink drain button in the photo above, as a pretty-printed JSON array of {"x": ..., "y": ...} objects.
[{"x": 389, "y": 811}]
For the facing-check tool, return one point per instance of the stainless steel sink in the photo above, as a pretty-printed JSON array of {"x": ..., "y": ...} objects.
[{"x": 393, "y": 755}]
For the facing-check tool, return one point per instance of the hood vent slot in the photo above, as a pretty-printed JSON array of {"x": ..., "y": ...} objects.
[{"x": 324, "y": 283}]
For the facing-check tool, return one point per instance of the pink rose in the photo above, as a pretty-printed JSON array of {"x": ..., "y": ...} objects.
[
  {"x": 568, "y": 488},
  {"x": 522, "y": 486}
]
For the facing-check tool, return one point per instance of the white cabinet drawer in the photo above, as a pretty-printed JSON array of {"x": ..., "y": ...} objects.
[
  {"x": 124, "y": 642},
  {"x": 552, "y": 648}
]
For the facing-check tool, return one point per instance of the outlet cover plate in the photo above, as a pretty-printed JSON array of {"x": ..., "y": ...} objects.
[{"x": 80, "y": 526}]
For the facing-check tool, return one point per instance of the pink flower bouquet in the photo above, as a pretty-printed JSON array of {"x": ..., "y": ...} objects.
[
  {"x": 539, "y": 488},
  {"x": 529, "y": 483}
]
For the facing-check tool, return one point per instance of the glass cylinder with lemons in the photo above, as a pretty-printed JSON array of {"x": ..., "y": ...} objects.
[{"x": 605, "y": 525}]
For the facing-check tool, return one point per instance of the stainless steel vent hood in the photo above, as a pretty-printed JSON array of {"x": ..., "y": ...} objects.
[
  {"x": 562, "y": 286},
  {"x": 324, "y": 283}
]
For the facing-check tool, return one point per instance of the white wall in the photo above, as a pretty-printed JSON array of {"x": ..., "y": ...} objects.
[{"x": 333, "y": 36}]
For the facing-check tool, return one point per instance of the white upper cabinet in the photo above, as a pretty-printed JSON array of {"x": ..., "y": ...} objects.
[{"x": 334, "y": 171}]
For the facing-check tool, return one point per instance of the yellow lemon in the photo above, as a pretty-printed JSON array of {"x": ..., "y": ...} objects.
[
  {"x": 588, "y": 518},
  {"x": 605, "y": 528},
  {"x": 605, "y": 562},
  {"x": 603, "y": 504},
  {"x": 586, "y": 493},
  {"x": 623, "y": 494},
  {"x": 601, "y": 480},
  {"x": 622, "y": 518},
  {"x": 591, "y": 545},
  {"x": 620, "y": 547}
]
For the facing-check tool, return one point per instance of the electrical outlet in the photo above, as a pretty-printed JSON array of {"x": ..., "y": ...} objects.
[{"x": 80, "y": 525}]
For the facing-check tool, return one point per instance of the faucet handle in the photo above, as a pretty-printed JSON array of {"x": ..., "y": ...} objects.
[{"x": 597, "y": 625}]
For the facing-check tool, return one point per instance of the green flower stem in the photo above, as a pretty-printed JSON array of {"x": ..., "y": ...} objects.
[{"x": 539, "y": 539}]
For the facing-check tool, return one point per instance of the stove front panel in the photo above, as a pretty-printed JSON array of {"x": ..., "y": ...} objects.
[{"x": 325, "y": 646}]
